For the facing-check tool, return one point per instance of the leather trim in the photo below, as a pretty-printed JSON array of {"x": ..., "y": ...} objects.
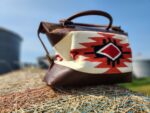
[
  {"x": 55, "y": 32},
  {"x": 59, "y": 75},
  {"x": 56, "y": 35}
]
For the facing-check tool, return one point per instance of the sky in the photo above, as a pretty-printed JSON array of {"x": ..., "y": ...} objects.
[{"x": 24, "y": 16}]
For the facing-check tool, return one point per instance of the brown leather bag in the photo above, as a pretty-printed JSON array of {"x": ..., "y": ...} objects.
[{"x": 87, "y": 54}]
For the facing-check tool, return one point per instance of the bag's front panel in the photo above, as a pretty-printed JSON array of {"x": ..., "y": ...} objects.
[{"x": 95, "y": 52}]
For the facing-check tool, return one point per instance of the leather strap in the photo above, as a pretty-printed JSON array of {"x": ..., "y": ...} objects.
[
  {"x": 68, "y": 21},
  {"x": 43, "y": 28}
]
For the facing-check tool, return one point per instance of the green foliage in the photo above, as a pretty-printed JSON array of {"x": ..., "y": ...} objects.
[{"x": 141, "y": 85}]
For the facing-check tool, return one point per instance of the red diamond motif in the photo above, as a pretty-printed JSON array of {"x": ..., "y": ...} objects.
[{"x": 111, "y": 51}]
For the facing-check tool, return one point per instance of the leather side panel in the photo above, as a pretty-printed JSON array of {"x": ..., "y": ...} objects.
[{"x": 63, "y": 76}]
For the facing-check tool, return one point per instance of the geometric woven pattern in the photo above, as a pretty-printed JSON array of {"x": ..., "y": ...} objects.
[
  {"x": 108, "y": 52},
  {"x": 95, "y": 52}
]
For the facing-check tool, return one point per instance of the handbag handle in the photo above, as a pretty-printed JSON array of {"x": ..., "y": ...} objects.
[
  {"x": 68, "y": 21},
  {"x": 42, "y": 28}
]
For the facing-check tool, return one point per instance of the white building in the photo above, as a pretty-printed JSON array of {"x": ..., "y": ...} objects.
[{"x": 141, "y": 68}]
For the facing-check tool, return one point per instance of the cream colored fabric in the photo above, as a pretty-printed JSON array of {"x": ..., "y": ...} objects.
[{"x": 73, "y": 40}]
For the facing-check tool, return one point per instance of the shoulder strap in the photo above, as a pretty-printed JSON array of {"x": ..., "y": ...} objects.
[{"x": 42, "y": 29}]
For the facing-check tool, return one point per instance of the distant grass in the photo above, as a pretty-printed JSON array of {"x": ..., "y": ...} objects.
[{"x": 139, "y": 85}]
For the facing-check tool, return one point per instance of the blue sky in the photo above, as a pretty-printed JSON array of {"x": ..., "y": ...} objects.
[{"x": 24, "y": 16}]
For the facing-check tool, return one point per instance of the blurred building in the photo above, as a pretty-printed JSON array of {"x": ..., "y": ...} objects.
[
  {"x": 141, "y": 68},
  {"x": 9, "y": 50},
  {"x": 43, "y": 62}
]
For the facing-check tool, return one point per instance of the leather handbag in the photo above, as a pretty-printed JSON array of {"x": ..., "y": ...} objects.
[{"x": 87, "y": 54}]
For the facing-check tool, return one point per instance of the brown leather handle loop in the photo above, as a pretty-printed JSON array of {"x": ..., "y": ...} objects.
[
  {"x": 68, "y": 21},
  {"x": 43, "y": 28}
]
